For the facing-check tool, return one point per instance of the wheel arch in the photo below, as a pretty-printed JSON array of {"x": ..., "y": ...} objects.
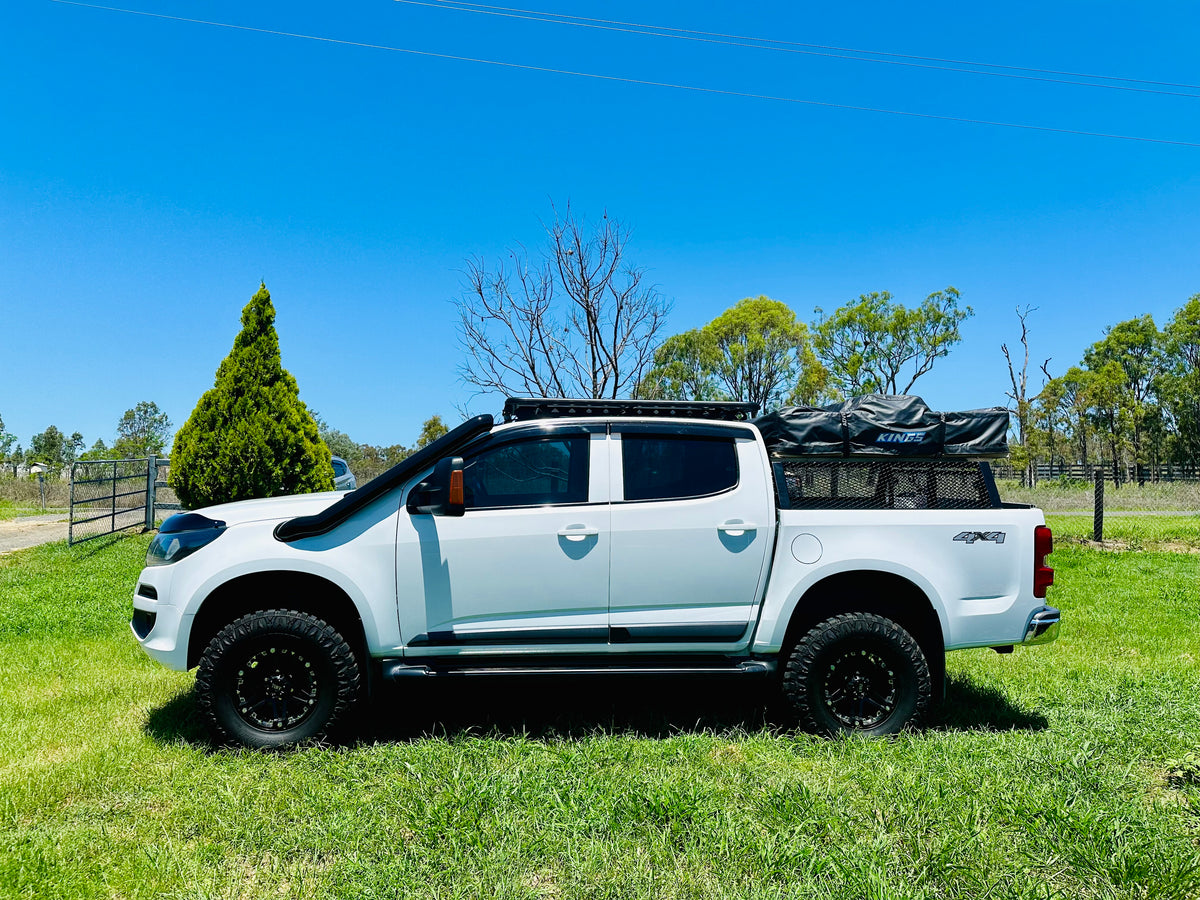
[
  {"x": 885, "y": 594},
  {"x": 279, "y": 589}
]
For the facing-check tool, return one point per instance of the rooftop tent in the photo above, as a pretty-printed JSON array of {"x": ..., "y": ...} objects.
[{"x": 884, "y": 425}]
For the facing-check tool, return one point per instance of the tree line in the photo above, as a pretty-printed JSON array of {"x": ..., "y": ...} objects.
[
  {"x": 141, "y": 431},
  {"x": 579, "y": 319},
  {"x": 1131, "y": 403},
  {"x": 368, "y": 460}
]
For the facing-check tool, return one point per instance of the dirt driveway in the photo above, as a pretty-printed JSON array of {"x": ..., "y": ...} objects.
[{"x": 29, "y": 531}]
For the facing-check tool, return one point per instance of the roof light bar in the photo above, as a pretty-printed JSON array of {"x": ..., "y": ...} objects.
[{"x": 522, "y": 409}]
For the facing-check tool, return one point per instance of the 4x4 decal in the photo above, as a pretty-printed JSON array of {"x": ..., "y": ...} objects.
[{"x": 971, "y": 537}]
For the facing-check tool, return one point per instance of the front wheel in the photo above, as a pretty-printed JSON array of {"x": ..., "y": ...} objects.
[
  {"x": 857, "y": 673},
  {"x": 275, "y": 678}
]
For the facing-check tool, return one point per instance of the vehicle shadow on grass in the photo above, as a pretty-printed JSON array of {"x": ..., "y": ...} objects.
[
  {"x": 569, "y": 707},
  {"x": 177, "y": 720},
  {"x": 641, "y": 706},
  {"x": 556, "y": 708},
  {"x": 530, "y": 706},
  {"x": 980, "y": 707}
]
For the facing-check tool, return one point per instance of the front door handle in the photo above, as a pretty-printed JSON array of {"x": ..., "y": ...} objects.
[
  {"x": 577, "y": 532},
  {"x": 736, "y": 529}
]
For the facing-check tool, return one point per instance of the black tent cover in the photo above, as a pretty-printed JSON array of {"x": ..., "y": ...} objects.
[{"x": 884, "y": 425}]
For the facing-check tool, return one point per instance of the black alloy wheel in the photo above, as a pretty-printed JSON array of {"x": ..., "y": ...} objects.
[
  {"x": 860, "y": 689},
  {"x": 276, "y": 688},
  {"x": 858, "y": 673},
  {"x": 276, "y": 678}
]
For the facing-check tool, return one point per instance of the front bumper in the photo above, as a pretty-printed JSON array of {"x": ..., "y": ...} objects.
[
  {"x": 1043, "y": 626},
  {"x": 160, "y": 628}
]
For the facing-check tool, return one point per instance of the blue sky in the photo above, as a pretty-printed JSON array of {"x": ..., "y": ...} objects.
[{"x": 152, "y": 171}]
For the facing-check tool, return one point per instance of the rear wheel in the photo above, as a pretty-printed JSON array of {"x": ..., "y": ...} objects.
[
  {"x": 858, "y": 673},
  {"x": 276, "y": 678}
]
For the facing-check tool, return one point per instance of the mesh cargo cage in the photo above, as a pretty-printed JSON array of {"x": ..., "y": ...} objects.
[{"x": 817, "y": 483}]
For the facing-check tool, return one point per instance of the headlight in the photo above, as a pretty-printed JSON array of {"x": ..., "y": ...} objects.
[{"x": 181, "y": 536}]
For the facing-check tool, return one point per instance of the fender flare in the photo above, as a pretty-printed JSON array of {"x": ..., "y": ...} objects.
[{"x": 817, "y": 576}]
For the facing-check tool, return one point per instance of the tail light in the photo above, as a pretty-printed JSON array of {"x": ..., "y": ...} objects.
[{"x": 1043, "y": 546}]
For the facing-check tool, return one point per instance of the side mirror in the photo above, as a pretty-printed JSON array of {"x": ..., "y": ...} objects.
[{"x": 442, "y": 493}]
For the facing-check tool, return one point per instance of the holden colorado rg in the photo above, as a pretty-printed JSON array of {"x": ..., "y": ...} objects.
[{"x": 841, "y": 551}]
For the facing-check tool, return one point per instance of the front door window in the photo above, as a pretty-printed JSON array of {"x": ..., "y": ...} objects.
[{"x": 543, "y": 472}]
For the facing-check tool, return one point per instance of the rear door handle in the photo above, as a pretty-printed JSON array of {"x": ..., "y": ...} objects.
[
  {"x": 736, "y": 529},
  {"x": 577, "y": 532}
]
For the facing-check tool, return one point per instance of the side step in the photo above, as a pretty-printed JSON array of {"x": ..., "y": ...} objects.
[{"x": 395, "y": 669}]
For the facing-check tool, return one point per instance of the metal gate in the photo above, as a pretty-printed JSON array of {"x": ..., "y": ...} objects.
[{"x": 110, "y": 495}]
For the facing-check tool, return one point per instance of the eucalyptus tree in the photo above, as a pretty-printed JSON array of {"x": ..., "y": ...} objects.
[
  {"x": 875, "y": 345},
  {"x": 756, "y": 351},
  {"x": 1179, "y": 381},
  {"x": 1134, "y": 347}
]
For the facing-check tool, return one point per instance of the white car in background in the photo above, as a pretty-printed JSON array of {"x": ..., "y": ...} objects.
[{"x": 343, "y": 478}]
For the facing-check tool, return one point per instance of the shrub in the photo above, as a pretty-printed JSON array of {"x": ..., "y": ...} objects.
[{"x": 250, "y": 435}]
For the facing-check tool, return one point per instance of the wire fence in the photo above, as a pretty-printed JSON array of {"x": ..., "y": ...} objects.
[
  {"x": 24, "y": 492},
  {"x": 1126, "y": 509},
  {"x": 1150, "y": 509},
  {"x": 110, "y": 495},
  {"x": 1117, "y": 475},
  {"x": 166, "y": 501}
]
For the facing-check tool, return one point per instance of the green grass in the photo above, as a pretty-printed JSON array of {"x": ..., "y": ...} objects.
[
  {"x": 12, "y": 509},
  {"x": 1163, "y": 515},
  {"x": 1069, "y": 770},
  {"x": 1131, "y": 532},
  {"x": 1076, "y": 495}
]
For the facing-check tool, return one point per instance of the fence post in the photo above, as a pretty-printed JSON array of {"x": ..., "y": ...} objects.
[
  {"x": 114, "y": 498},
  {"x": 1098, "y": 515},
  {"x": 71, "y": 509},
  {"x": 151, "y": 478}
]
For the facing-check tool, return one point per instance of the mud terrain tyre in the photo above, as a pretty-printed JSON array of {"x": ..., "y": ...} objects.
[
  {"x": 276, "y": 678},
  {"x": 857, "y": 673}
]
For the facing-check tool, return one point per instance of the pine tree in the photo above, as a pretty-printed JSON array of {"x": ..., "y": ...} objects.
[{"x": 250, "y": 435}]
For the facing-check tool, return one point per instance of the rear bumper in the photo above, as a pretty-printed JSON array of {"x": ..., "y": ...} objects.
[{"x": 1043, "y": 626}]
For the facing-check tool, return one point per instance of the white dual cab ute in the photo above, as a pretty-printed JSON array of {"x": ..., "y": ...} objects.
[{"x": 635, "y": 537}]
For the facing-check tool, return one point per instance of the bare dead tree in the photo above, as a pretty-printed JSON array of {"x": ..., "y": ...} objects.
[
  {"x": 581, "y": 321},
  {"x": 1020, "y": 391},
  {"x": 1051, "y": 418}
]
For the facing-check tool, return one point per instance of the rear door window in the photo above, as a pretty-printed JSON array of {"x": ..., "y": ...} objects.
[{"x": 674, "y": 467}]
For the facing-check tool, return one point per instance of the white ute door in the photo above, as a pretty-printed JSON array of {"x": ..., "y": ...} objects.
[
  {"x": 526, "y": 565},
  {"x": 691, "y": 517}
]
